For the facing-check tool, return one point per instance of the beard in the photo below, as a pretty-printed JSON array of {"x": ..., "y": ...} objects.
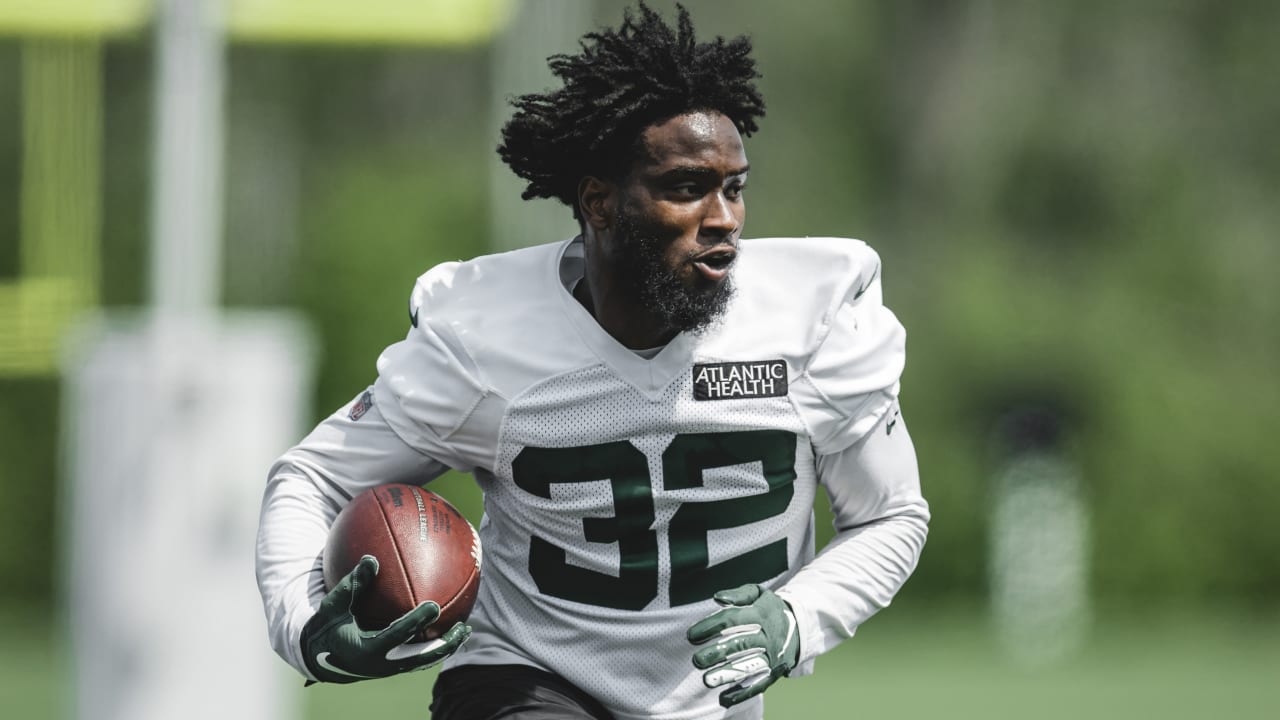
[{"x": 657, "y": 286}]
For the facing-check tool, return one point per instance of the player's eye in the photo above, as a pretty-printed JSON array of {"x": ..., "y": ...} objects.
[{"x": 734, "y": 191}]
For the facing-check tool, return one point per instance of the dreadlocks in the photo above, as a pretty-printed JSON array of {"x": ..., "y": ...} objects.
[{"x": 624, "y": 80}]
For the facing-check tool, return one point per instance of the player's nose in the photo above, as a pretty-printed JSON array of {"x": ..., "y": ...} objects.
[{"x": 721, "y": 218}]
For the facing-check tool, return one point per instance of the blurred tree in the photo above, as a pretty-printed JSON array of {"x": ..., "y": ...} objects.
[{"x": 1074, "y": 203}]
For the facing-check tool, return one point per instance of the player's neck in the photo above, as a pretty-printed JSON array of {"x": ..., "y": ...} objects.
[{"x": 621, "y": 316}]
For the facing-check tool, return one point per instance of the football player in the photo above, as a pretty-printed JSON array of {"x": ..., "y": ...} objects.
[{"x": 649, "y": 408}]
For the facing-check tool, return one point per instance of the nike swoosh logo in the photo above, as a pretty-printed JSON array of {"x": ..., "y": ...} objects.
[
  {"x": 866, "y": 287},
  {"x": 323, "y": 661},
  {"x": 413, "y": 317}
]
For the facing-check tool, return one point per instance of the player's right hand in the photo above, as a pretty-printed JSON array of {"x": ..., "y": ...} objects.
[{"x": 337, "y": 650}]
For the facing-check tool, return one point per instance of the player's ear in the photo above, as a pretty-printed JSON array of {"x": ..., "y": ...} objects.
[{"x": 595, "y": 201}]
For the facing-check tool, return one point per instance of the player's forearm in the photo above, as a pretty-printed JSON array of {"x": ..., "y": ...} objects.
[
  {"x": 855, "y": 576},
  {"x": 352, "y": 450},
  {"x": 295, "y": 520},
  {"x": 881, "y": 522}
]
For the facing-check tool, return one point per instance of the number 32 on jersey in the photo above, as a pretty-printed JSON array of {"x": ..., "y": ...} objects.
[{"x": 693, "y": 579}]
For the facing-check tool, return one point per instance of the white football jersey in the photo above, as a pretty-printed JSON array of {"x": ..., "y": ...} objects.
[{"x": 621, "y": 492}]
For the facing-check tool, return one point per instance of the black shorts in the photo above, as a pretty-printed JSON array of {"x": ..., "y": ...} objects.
[{"x": 488, "y": 692}]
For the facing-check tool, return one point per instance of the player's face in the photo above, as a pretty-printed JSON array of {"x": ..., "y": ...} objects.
[{"x": 680, "y": 216}]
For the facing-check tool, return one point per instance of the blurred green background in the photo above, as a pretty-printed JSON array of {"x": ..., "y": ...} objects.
[{"x": 1076, "y": 207}]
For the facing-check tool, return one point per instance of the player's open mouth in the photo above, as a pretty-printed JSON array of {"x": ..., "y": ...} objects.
[{"x": 714, "y": 264}]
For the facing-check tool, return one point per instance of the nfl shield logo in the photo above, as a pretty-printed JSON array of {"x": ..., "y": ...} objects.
[{"x": 361, "y": 406}]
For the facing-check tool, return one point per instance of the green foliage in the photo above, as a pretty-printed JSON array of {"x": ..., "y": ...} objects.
[
  {"x": 29, "y": 481},
  {"x": 379, "y": 220},
  {"x": 1073, "y": 201},
  {"x": 1069, "y": 200}
]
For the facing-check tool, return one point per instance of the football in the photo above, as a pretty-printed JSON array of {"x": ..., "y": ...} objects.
[{"x": 426, "y": 550}]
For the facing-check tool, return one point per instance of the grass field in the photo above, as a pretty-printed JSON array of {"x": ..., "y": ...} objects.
[{"x": 908, "y": 663}]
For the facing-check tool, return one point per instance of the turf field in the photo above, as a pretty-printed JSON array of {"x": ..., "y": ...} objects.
[{"x": 908, "y": 663}]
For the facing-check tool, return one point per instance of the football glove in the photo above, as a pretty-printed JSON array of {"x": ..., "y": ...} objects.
[
  {"x": 752, "y": 642},
  {"x": 337, "y": 650}
]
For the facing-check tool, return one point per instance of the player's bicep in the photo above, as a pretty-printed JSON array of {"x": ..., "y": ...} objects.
[
  {"x": 876, "y": 477},
  {"x": 355, "y": 449}
]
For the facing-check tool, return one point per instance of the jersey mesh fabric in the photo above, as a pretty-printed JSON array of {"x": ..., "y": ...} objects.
[
  {"x": 635, "y": 661},
  {"x": 503, "y": 361}
]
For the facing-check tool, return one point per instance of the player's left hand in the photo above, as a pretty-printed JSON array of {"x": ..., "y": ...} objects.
[{"x": 753, "y": 642}]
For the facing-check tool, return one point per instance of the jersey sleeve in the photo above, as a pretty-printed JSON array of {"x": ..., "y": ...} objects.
[
  {"x": 852, "y": 376},
  {"x": 881, "y": 522},
  {"x": 351, "y": 451},
  {"x": 866, "y": 463},
  {"x": 403, "y": 429},
  {"x": 428, "y": 385}
]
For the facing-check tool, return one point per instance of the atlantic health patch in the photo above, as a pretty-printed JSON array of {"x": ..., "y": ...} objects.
[{"x": 740, "y": 380}]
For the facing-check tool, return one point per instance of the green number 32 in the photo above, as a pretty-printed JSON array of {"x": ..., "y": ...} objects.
[{"x": 692, "y": 577}]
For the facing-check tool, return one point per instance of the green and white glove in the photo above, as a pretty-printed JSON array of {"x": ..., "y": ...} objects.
[
  {"x": 336, "y": 649},
  {"x": 753, "y": 641}
]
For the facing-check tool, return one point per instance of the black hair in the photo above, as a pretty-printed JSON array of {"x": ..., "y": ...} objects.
[{"x": 623, "y": 81}]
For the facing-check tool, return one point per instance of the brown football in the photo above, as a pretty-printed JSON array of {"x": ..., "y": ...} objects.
[{"x": 426, "y": 550}]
